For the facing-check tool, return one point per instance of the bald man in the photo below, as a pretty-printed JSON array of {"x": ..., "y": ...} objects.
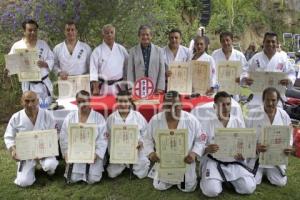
[{"x": 29, "y": 119}]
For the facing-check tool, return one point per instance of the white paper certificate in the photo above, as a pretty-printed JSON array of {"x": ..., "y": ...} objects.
[
  {"x": 171, "y": 147},
  {"x": 181, "y": 78},
  {"x": 200, "y": 76},
  {"x": 228, "y": 71},
  {"x": 81, "y": 143},
  {"x": 68, "y": 88},
  {"x": 123, "y": 144},
  {"x": 36, "y": 144},
  {"x": 233, "y": 141},
  {"x": 276, "y": 138},
  {"x": 263, "y": 80}
]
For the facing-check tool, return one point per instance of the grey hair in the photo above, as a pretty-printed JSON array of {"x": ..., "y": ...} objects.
[
  {"x": 106, "y": 26},
  {"x": 144, "y": 27}
]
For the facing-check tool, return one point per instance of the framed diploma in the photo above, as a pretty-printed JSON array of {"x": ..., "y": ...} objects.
[
  {"x": 181, "y": 79},
  {"x": 200, "y": 76},
  {"x": 31, "y": 74},
  {"x": 233, "y": 141},
  {"x": 263, "y": 80},
  {"x": 36, "y": 144},
  {"x": 172, "y": 148},
  {"x": 276, "y": 138},
  {"x": 123, "y": 143},
  {"x": 69, "y": 88},
  {"x": 81, "y": 143},
  {"x": 228, "y": 71}
]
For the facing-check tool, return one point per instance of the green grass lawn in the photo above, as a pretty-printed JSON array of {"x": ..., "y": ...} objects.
[{"x": 123, "y": 188}]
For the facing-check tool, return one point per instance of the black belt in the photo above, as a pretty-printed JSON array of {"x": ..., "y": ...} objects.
[
  {"x": 69, "y": 173},
  {"x": 182, "y": 184},
  {"x": 109, "y": 82},
  {"x": 42, "y": 82},
  {"x": 87, "y": 171},
  {"x": 219, "y": 163},
  {"x": 22, "y": 162},
  {"x": 282, "y": 173}
]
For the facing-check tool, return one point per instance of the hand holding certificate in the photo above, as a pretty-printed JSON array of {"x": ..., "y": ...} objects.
[
  {"x": 171, "y": 147},
  {"x": 36, "y": 144},
  {"x": 233, "y": 141},
  {"x": 276, "y": 138},
  {"x": 81, "y": 143},
  {"x": 123, "y": 144}
]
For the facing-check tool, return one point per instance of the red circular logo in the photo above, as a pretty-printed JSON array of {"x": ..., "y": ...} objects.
[{"x": 143, "y": 88}]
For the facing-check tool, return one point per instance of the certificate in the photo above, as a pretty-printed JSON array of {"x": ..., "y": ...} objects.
[
  {"x": 36, "y": 144},
  {"x": 263, "y": 80},
  {"x": 276, "y": 138},
  {"x": 200, "y": 76},
  {"x": 31, "y": 74},
  {"x": 228, "y": 71},
  {"x": 233, "y": 141},
  {"x": 69, "y": 88},
  {"x": 123, "y": 143},
  {"x": 81, "y": 145},
  {"x": 181, "y": 79},
  {"x": 23, "y": 63},
  {"x": 172, "y": 148}
]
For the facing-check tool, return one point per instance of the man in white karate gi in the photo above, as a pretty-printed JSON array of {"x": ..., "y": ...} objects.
[
  {"x": 126, "y": 115},
  {"x": 234, "y": 170},
  {"x": 174, "y": 51},
  {"x": 228, "y": 53},
  {"x": 173, "y": 117},
  {"x": 147, "y": 60},
  {"x": 31, "y": 118},
  {"x": 108, "y": 63},
  {"x": 90, "y": 173},
  {"x": 43, "y": 88},
  {"x": 267, "y": 115},
  {"x": 71, "y": 57},
  {"x": 270, "y": 60}
]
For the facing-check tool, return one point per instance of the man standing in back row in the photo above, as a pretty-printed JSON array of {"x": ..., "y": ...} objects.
[
  {"x": 108, "y": 63},
  {"x": 147, "y": 60}
]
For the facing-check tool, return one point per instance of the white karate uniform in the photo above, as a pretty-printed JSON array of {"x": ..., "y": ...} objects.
[
  {"x": 258, "y": 119},
  {"x": 183, "y": 54},
  {"x": 45, "y": 54},
  {"x": 278, "y": 63},
  {"x": 196, "y": 144},
  {"x": 206, "y": 112},
  {"x": 213, "y": 72},
  {"x": 211, "y": 180},
  {"x": 134, "y": 118},
  {"x": 219, "y": 56},
  {"x": 79, "y": 169},
  {"x": 20, "y": 122},
  {"x": 108, "y": 64},
  {"x": 76, "y": 63}
]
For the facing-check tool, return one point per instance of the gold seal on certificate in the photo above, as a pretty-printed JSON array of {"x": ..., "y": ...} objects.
[
  {"x": 228, "y": 71},
  {"x": 69, "y": 88},
  {"x": 171, "y": 147},
  {"x": 36, "y": 144},
  {"x": 123, "y": 144},
  {"x": 233, "y": 141},
  {"x": 81, "y": 143},
  {"x": 276, "y": 138}
]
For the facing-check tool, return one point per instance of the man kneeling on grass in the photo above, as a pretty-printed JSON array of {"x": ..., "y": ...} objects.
[
  {"x": 178, "y": 122},
  {"x": 31, "y": 118},
  {"x": 88, "y": 172}
]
